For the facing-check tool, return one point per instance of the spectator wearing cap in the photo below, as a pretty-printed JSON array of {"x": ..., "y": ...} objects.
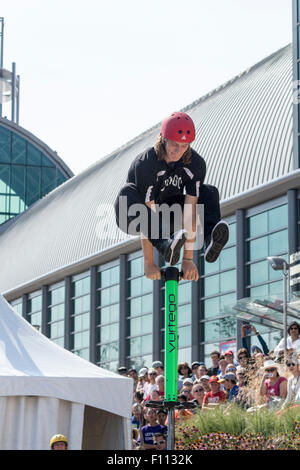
[
  {"x": 231, "y": 368},
  {"x": 264, "y": 346},
  {"x": 229, "y": 356},
  {"x": 214, "y": 369},
  {"x": 215, "y": 396},
  {"x": 230, "y": 385},
  {"x": 204, "y": 381},
  {"x": 122, "y": 371},
  {"x": 195, "y": 369},
  {"x": 241, "y": 376},
  {"x": 188, "y": 385},
  {"x": 272, "y": 384},
  {"x": 293, "y": 339},
  {"x": 159, "y": 367}
]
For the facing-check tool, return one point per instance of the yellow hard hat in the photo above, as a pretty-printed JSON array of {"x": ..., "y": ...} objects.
[{"x": 58, "y": 438}]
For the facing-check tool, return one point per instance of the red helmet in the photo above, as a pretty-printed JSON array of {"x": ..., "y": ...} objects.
[{"x": 178, "y": 127}]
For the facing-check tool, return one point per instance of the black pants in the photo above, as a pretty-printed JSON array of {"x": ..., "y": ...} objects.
[{"x": 209, "y": 197}]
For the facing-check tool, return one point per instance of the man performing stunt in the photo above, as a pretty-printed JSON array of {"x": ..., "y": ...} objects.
[{"x": 171, "y": 173}]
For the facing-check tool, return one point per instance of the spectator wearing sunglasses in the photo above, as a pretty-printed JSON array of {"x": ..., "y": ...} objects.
[
  {"x": 293, "y": 387},
  {"x": 272, "y": 384},
  {"x": 243, "y": 357},
  {"x": 152, "y": 374},
  {"x": 198, "y": 392},
  {"x": 160, "y": 441},
  {"x": 293, "y": 340}
]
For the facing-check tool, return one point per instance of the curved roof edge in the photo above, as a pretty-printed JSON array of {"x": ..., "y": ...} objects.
[{"x": 51, "y": 154}]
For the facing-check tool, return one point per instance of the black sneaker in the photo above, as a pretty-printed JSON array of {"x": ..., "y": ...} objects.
[
  {"x": 170, "y": 248},
  {"x": 219, "y": 238}
]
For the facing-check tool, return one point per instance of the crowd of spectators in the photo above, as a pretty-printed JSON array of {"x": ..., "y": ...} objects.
[{"x": 250, "y": 378}]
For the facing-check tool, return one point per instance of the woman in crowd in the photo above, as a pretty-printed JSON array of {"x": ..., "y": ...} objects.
[
  {"x": 293, "y": 340},
  {"x": 198, "y": 392},
  {"x": 184, "y": 371},
  {"x": 243, "y": 357},
  {"x": 293, "y": 387},
  {"x": 272, "y": 384},
  {"x": 152, "y": 374}
]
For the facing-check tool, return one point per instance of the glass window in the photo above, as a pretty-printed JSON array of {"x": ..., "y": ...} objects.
[
  {"x": 34, "y": 309},
  {"x": 4, "y": 179},
  {"x": 278, "y": 242},
  {"x": 33, "y": 155},
  {"x": 228, "y": 258},
  {"x": 228, "y": 280},
  {"x": 278, "y": 217},
  {"x": 107, "y": 334},
  {"x": 18, "y": 149},
  {"x": 258, "y": 272},
  {"x": 5, "y": 145},
  {"x": 258, "y": 225},
  {"x": 48, "y": 180},
  {"x": 33, "y": 184},
  {"x": 17, "y": 305},
  {"x": 258, "y": 248},
  {"x": 80, "y": 315}
]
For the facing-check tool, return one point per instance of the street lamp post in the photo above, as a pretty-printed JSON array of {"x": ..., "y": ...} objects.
[{"x": 279, "y": 264}]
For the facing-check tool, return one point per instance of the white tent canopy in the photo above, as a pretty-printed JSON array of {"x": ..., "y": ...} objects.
[{"x": 45, "y": 390}]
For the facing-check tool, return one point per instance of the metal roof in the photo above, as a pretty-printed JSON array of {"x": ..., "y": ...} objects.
[{"x": 244, "y": 132}]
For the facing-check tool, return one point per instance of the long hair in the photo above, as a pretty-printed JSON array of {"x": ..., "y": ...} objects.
[{"x": 160, "y": 151}]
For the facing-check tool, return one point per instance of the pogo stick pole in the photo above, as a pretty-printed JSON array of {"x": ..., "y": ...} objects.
[{"x": 171, "y": 276}]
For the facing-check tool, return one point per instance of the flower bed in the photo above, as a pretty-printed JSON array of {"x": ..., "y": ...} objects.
[{"x": 235, "y": 429}]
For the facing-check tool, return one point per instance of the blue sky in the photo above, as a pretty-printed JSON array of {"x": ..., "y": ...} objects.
[{"x": 95, "y": 74}]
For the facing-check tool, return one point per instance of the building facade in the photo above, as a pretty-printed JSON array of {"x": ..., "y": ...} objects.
[{"x": 81, "y": 281}]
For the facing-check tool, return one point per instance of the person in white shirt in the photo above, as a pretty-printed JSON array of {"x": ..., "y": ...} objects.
[
  {"x": 293, "y": 388},
  {"x": 152, "y": 374},
  {"x": 293, "y": 340}
]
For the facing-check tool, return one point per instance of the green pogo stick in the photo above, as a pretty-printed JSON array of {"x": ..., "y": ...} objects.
[{"x": 171, "y": 277}]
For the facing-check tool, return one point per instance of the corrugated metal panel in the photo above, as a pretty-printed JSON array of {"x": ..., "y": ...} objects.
[{"x": 244, "y": 132}]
